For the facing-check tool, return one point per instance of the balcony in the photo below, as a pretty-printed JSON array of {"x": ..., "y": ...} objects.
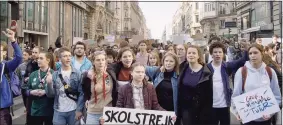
[
  {"x": 91, "y": 4},
  {"x": 109, "y": 11},
  {"x": 208, "y": 15}
]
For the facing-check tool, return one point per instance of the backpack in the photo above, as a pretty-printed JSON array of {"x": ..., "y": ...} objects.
[
  {"x": 244, "y": 75},
  {"x": 13, "y": 80}
]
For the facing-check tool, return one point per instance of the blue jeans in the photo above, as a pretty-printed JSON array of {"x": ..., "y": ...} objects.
[
  {"x": 92, "y": 119},
  {"x": 63, "y": 118}
]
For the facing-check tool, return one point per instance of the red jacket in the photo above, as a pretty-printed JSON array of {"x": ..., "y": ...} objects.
[{"x": 125, "y": 97}]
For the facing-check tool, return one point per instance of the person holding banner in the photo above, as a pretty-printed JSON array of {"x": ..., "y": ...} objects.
[
  {"x": 165, "y": 81},
  {"x": 257, "y": 75},
  {"x": 99, "y": 87},
  {"x": 194, "y": 90},
  {"x": 138, "y": 94}
]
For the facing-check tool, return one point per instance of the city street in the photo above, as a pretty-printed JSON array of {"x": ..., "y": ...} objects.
[{"x": 19, "y": 117}]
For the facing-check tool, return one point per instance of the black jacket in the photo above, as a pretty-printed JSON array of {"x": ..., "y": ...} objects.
[
  {"x": 202, "y": 100},
  {"x": 31, "y": 67},
  {"x": 86, "y": 86}
]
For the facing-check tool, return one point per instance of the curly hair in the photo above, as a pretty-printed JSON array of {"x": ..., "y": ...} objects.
[{"x": 217, "y": 45}]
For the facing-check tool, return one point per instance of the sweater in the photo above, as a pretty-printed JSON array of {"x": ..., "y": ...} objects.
[{"x": 256, "y": 78}]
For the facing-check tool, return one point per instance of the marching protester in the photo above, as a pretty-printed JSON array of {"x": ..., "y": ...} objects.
[
  {"x": 220, "y": 81},
  {"x": 111, "y": 56},
  {"x": 21, "y": 71},
  {"x": 79, "y": 61},
  {"x": 138, "y": 94},
  {"x": 122, "y": 68},
  {"x": 253, "y": 75},
  {"x": 153, "y": 59},
  {"x": 165, "y": 82},
  {"x": 6, "y": 100},
  {"x": 171, "y": 48},
  {"x": 142, "y": 55},
  {"x": 181, "y": 53},
  {"x": 65, "y": 86},
  {"x": 195, "y": 90},
  {"x": 41, "y": 107},
  {"x": 99, "y": 87},
  {"x": 32, "y": 66}
]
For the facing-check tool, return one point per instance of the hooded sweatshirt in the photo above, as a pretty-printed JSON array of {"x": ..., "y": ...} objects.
[{"x": 256, "y": 78}]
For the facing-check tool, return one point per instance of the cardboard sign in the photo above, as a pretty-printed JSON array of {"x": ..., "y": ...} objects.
[
  {"x": 110, "y": 38},
  {"x": 119, "y": 116},
  {"x": 77, "y": 39},
  {"x": 254, "y": 104}
]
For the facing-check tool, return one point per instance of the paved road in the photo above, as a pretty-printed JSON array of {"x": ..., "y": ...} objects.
[{"x": 19, "y": 115}]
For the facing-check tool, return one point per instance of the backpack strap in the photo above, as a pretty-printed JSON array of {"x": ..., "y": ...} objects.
[
  {"x": 62, "y": 80},
  {"x": 269, "y": 72},
  {"x": 2, "y": 71},
  {"x": 244, "y": 77}
]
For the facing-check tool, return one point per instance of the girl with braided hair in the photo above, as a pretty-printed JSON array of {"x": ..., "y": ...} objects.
[{"x": 99, "y": 87}]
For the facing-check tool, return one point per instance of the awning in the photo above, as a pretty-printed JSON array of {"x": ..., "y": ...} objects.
[{"x": 253, "y": 29}]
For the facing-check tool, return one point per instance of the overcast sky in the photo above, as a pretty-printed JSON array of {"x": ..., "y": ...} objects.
[{"x": 157, "y": 15}]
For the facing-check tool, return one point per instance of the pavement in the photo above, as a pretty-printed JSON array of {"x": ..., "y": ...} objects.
[{"x": 20, "y": 117}]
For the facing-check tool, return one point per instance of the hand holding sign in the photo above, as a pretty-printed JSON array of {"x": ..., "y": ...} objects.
[{"x": 259, "y": 103}]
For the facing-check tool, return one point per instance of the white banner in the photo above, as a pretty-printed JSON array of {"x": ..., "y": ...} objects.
[
  {"x": 253, "y": 105},
  {"x": 114, "y": 115}
]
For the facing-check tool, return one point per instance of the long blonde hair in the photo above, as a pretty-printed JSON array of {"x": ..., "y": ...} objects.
[
  {"x": 175, "y": 57},
  {"x": 155, "y": 54}
]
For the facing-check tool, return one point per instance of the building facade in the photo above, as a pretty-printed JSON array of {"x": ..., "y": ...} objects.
[
  {"x": 214, "y": 15},
  {"x": 37, "y": 28},
  {"x": 259, "y": 19}
]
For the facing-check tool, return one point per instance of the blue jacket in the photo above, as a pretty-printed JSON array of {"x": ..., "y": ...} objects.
[
  {"x": 53, "y": 90},
  {"x": 87, "y": 65},
  {"x": 6, "y": 93},
  {"x": 157, "y": 76},
  {"x": 227, "y": 68}
]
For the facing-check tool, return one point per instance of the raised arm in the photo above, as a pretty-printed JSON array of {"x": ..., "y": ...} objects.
[{"x": 18, "y": 57}]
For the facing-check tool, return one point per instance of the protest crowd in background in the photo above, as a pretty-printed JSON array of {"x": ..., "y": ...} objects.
[{"x": 72, "y": 85}]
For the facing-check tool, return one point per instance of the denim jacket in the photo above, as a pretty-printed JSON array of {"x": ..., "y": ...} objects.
[
  {"x": 86, "y": 65},
  {"x": 157, "y": 76},
  {"x": 52, "y": 90}
]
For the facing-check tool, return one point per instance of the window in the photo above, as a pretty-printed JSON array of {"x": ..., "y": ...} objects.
[
  {"x": 222, "y": 24},
  {"x": 197, "y": 18},
  {"x": 24, "y": 11},
  {"x": 30, "y": 11},
  {"x": 205, "y": 8},
  {"x": 61, "y": 18},
  {"x": 234, "y": 19},
  {"x": 43, "y": 13},
  {"x": 109, "y": 27},
  {"x": 3, "y": 20},
  {"x": 126, "y": 14},
  {"x": 196, "y": 5},
  {"x": 74, "y": 21}
]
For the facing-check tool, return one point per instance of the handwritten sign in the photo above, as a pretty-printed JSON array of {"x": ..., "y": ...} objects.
[
  {"x": 114, "y": 115},
  {"x": 254, "y": 104}
]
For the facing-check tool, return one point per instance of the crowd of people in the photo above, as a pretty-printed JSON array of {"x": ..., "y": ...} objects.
[{"x": 66, "y": 85}]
